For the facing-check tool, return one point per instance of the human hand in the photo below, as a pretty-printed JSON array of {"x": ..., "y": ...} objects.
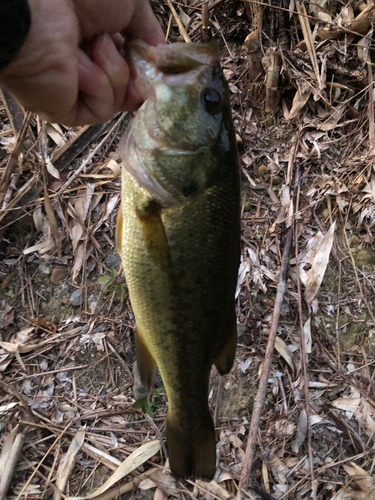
[{"x": 70, "y": 69}]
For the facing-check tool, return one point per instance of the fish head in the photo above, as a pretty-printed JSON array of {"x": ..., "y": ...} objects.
[{"x": 184, "y": 127}]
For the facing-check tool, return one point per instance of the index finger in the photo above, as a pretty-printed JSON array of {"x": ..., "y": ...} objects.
[{"x": 144, "y": 25}]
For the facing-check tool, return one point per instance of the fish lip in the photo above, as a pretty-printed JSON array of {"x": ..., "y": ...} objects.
[
  {"x": 186, "y": 56},
  {"x": 174, "y": 64}
]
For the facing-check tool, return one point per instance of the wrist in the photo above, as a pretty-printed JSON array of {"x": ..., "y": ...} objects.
[{"x": 15, "y": 22}]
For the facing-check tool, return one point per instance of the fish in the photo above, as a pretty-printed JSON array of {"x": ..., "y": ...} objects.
[{"x": 178, "y": 234}]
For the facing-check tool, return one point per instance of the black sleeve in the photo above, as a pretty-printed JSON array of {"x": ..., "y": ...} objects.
[{"x": 15, "y": 21}]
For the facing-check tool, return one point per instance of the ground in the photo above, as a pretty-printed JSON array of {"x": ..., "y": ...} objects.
[{"x": 306, "y": 144}]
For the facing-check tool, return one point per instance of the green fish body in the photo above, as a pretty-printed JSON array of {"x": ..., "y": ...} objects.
[{"x": 178, "y": 234}]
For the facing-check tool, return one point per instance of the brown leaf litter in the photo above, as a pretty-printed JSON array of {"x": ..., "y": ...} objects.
[{"x": 301, "y": 83}]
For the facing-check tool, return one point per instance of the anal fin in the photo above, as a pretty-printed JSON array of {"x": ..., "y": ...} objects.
[
  {"x": 224, "y": 361},
  {"x": 145, "y": 362},
  {"x": 154, "y": 234}
]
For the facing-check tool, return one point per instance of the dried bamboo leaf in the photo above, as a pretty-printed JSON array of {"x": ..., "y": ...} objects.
[
  {"x": 362, "y": 22},
  {"x": 8, "y": 459},
  {"x": 67, "y": 463},
  {"x": 347, "y": 404},
  {"x": 78, "y": 259},
  {"x": 52, "y": 219},
  {"x": 307, "y": 336},
  {"x": 51, "y": 169},
  {"x": 301, "y": 432},
  {"x": 56, "y": 134},
  {"x": 307, "y": 35},
  {"x": 319, "y": 265},
  {"x": 137, "y": 458},
  {"x": 300, "y": 99},
  {"x": 282, "y": 349},
  {"x": 214, "y": 489}
]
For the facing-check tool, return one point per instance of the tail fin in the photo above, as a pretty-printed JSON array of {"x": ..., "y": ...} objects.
[{"x": 191, "y": 447}]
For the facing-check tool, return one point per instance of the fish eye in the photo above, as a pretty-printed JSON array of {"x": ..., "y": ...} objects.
[{"x": 211, "y": 100}]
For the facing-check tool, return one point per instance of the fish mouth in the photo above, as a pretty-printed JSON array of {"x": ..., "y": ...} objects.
[
  {"x": 178, "y": 57},
  {"x": 175, "y": 63}
]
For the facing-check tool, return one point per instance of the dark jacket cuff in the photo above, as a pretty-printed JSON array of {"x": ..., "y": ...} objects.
[{"x": 15, "y": 21}]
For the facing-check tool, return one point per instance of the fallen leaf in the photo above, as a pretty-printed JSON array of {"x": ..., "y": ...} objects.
[
  {"x": 67, "y": 462},
  {"x": 137, "y": 458},
  {"x": 319, "y": 265},
  {"x": 282, "y": 349}
]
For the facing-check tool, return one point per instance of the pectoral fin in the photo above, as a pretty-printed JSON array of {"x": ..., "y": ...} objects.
[
  {"x": 225, "y": 360},
  {"x": 154, "y": 234},
  {"x": 145, "y": 362}
]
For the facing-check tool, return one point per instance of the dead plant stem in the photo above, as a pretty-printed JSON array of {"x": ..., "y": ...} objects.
[
  {"x": 304, "y": 357},
  {"x": 262, "y": 390}
]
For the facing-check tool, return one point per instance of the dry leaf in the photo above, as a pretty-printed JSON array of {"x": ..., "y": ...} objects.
[
  {"x": 362, "y": 478},
  {"x": 214, "y": 489},
  {"x": 52, "y": 170},
  {"x": 347, "y": 404},
  {"x": 363, "y": 47},
  {"x": 8, "y": 407},
  {"x": 307, "y": 336},
  {"x": 137, "y": 458},
  {"x": 362, "y": 22},
  {"x": 76, "y": 234},
  {"x": 67, "y": 463},
  {"x": 56, "y": 134},
  {"x": 319, "y": 265},
  {"x": 52, "y": 220},
  {"x": 12, "y": 446},
  {"x": 300, "y": 99},
  {"x": 43, "y": 323},
  {"x": 301, "y": 433},
  {"x": 282, "y": 349},
  {"x": 78, "y": 259}
]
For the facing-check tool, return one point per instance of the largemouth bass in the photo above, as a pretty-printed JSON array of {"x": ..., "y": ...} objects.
[{"x": 178, "y": 234}]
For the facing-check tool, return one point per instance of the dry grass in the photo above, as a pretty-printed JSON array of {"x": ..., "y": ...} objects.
[{"x": 303, "y": 106}]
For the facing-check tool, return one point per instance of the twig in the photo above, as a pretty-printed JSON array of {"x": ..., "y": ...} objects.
[
  {"x": 89, "y": 158},
  {"x": 13, "y": 158},
  {"x": 181, "y": 28},
  {"x": 306, "y": 30},
  {"x": 356, "y": 275},
  {"x": 42, "y": 460},
  {"x": 337, "y": 320},
  {"x": 261, "y": 395},
  {"x": 47, "y": 202},
  {"x": 158, "y": 433},
  {"x": 14, "y": 111},
  {"x": 21, "y": 193},
  {"x": 371, "y": 131},
  {"x": 220, "y": 388},
  {"x": 62, "y": 157},
  {"x": 304, "y": 356},
  {"x": 45, "y": 479}
]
